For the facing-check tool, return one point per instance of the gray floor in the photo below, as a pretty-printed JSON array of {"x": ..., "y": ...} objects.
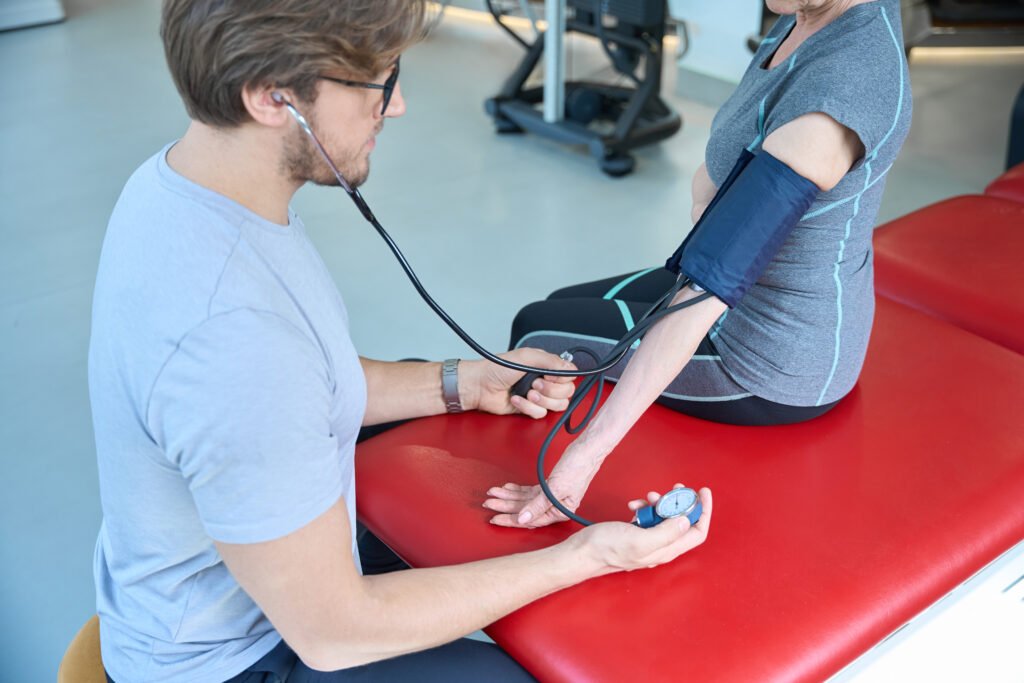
[{"x": 491, "y": 223}]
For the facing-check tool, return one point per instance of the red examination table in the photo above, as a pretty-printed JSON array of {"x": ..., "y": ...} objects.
[
  {"x": 961, "y": 260},
  {"x": 827, "y": 536}
]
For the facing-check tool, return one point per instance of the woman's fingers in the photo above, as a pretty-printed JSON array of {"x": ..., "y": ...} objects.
[
  {"x": 550, "y": 516},
  {"x": 513, "y": 492},
  {"x": 506, "y": 506},
  {"x": 505, "y": 520}
]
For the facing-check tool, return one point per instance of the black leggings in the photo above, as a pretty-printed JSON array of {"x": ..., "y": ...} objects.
[{"x": 595, "y": 315}]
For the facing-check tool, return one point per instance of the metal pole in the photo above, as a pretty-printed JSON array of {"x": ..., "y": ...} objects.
[{"x": 554, "y": 61}]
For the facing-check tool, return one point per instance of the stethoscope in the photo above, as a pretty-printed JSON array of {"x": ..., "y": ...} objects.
[{"x": 673, "y": 504}]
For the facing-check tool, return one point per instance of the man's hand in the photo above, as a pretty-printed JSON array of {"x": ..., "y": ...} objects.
[
  {"x": 485, "y": 386},
  {"x": 528, "y": 507},
  {"x": 616, "y": 546}
]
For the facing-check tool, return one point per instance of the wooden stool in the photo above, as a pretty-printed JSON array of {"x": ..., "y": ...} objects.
[{"x": 82, "y": 662}]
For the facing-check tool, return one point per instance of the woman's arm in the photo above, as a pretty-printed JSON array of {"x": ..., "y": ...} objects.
[
  {"x": 818, "y": 148},
  {"x": 665, "y": 350},
  {"x": 662, "y": 355},
  {"x": 703, "y": 190}
]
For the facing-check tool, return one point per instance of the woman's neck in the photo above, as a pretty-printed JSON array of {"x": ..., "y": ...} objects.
[{"x": 810, "y": 21}]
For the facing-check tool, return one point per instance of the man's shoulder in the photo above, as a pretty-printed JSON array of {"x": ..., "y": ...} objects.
[
  {"x": 161, "y": 263},
  {"x": 156, "y": 197},
  {"x": 164, "y": 227}
]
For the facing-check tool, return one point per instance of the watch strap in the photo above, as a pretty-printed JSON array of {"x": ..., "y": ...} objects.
[{"x": 450, "y": 385}]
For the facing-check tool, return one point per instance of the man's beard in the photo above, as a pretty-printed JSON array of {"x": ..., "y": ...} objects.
[{"x": 302, "y": 162}]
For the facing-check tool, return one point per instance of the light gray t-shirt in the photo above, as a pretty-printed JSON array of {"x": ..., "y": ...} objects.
[
  {"x": 800, "y": 334},
  {"x": 226, "y": 398}
]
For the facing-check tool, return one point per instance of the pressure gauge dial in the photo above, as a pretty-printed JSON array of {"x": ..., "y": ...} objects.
[{"x": 682, "y": 502}]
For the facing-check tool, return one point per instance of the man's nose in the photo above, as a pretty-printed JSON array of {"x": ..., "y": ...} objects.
[{"x": 396, "y": 107}]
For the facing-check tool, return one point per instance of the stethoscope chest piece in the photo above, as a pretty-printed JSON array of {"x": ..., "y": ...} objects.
[{"x": 682, "y": 502}]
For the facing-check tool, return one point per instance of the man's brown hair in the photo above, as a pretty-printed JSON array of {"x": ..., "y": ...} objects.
[{"x": 215, "y": 48}]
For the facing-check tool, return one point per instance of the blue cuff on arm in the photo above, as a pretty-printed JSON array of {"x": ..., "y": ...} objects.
[{"x": 744, "y": 226}]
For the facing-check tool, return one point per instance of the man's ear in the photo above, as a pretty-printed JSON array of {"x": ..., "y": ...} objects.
[{"x": 265, "y": 104}]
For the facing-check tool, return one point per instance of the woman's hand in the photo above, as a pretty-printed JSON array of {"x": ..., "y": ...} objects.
[
  {"x": 528, "y": 507},
  {"x": 485, "y": 386}
]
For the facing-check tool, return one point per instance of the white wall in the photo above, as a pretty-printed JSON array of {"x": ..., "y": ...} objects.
[
  {"x": 717, "y": 54},
  {"x": 19, "y": 13}
]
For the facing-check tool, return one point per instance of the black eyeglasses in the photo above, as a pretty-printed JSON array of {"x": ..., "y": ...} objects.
[{"x": 388, "y": 86}]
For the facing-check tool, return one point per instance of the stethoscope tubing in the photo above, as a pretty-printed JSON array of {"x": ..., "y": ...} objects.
[{"x": 660, "y": 309}]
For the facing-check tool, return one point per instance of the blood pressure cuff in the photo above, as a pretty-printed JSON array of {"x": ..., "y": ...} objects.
[{"x": 744, "y": 226}]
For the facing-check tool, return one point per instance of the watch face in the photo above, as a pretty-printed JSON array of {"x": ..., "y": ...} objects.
[{"x": 676, "y": 502}]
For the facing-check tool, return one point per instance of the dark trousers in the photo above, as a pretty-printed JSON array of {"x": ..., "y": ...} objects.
[{"x": 462, "y": 661}]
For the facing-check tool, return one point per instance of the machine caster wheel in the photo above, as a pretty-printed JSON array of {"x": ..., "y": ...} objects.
[
  {"x": 502, "y": 125},
  {"x": 617, "y": 165},
  {"x": 506, "y": 127}
]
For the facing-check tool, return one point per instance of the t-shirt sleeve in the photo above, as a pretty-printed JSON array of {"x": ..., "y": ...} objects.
[
  {"x": 242, "y": 410},
  {"x": 862, "y": 91}
]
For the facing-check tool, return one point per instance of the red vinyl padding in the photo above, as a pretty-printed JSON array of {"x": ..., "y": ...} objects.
[
  {"x": 1010, "y": 185},
  {"x": 826, "y": 536},
  {"x": 961, "y": 260}
]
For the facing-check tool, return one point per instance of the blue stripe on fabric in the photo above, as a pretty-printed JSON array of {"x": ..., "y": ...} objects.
[
  {"x": 792, "y": 63},
  {"x": 706, "y": 399},
  {"x": 700, "y": 399},
  {"x": 564, "y": 335},
  {"x": 627, "y": 317},
  {"x": 836, "y": 204},
  {"x": 680, "y": 397},
  {"x": 587, "y": 337},
  {"x": 760, "y": 126},
  {"x": 718, "y": 325},
  {"x": 856, "y": 208},
  {"x": 632, "y": 278}
]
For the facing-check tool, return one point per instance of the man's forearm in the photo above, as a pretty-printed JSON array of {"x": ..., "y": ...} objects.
[
  {"x": 401, "y": 391},
  {"x": 413, "y": 610}
]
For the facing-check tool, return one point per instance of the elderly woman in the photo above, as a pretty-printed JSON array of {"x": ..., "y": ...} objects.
[{"x": 827, "y": 94}]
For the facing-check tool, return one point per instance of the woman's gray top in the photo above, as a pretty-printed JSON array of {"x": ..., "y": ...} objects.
[{"x": 800, "y": 334}]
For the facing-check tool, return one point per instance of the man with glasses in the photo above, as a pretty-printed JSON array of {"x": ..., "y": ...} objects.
[
  {"x": 388, "y": 86},
  {"x": 227, "y": 395}
]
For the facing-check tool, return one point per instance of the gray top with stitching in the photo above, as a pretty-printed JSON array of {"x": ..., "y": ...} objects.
[{"x": 800, "y": 335}]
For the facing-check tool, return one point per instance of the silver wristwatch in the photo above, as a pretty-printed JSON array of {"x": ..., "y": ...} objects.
[{"x": 450, "y": 385}]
